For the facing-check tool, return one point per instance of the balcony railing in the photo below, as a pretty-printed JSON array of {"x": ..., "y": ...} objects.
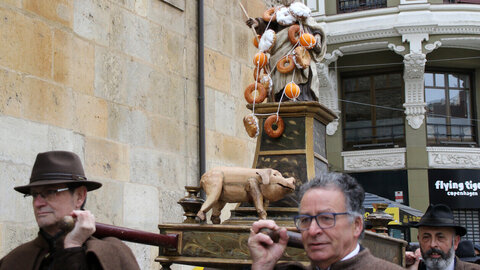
[
  {"x": 451, "y": 134},
  {"x": 387, "y": 136},
  {"x": 345, "y": 6}
]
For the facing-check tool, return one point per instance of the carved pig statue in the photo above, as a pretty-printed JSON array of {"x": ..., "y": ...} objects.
[{"x": 233, "y": 184}]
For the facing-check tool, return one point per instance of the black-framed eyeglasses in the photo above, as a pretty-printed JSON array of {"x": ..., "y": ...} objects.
[
  {"x": 324, "y": 220},
  {"x": 48, "y": 194}
]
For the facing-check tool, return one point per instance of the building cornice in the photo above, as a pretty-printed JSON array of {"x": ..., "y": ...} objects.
[{"x": 400, "y": 30}]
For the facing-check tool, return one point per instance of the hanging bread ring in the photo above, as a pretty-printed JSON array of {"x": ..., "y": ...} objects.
[
  {"x": 250, "y": 93},
  {"x": 284, "y": 17},
  {"x": 268, "y": 126},
  {"x": 267, "y": 40},
  {"x": 267, "y": 82},
  {"x": 300, "y": 10},
  {"x": 294, "y": 33},
  {"x": 301, "y": 57},
  {"x": 286, "y": 64},
  {"x": 255, "y": 40},
  {"x": 257, "y": 75},
  {"x": 251, "y": 125},
  {"x": 269, "y": 15}
]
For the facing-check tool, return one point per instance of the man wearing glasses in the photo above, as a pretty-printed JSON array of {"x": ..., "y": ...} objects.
[
  {"x": 331, "y": 223},
  {"x": 58, "y": 188}
]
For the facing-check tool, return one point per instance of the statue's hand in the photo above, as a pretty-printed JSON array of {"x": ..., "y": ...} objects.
[{"x": 251, "y": 22}]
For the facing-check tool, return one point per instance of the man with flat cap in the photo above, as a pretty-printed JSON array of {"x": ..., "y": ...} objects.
[
  {"x": 438, "y": 236},
  {"x": 58, "y": 188}
]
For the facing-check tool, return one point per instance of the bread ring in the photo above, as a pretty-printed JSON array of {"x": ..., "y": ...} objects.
[
  {"x": 300, "y": 10},
  {"x": 267, "y": 82},
  {"x": 301, "y": 57},
  {"x": 269, "y": 15},
  {"x": 251, "y": 125},
  {"x": 294, "y": 33},
  {"x": 286, "y": 64},
  {"x": 284, "y": 17},
  {"x": 268, "y": 126},
  {"x": 255, "y": 42},
  {"x": 250, "y": 93},
  {"x": 267, "y": 41},
  {"x": 258, "y": 75}
]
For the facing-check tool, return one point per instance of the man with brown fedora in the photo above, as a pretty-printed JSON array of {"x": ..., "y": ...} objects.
[
  {"x": 438, "y": 236},
  {"x": 58, "y": 188}
]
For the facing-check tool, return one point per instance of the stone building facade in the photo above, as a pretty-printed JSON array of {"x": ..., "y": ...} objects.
[
  {"x": 116, "y": 82},
  {"x": 403, "y": 75}
]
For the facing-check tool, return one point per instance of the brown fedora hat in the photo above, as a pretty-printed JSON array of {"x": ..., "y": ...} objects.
[
  {"x": 440, "y": 215},
  {"x": 57, "y": 167}
]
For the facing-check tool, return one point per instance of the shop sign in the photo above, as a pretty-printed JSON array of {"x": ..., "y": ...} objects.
[
  {"x": 399, "y": 196},
  {"x": 456, "y": 188},
  {"x": 393, "y": 211}
]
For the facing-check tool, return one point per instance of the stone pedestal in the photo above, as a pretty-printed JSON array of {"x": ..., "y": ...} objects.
[{"x": 299, "y": 152}]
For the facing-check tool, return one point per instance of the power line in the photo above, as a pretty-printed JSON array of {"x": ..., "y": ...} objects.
[{"x": 401, "y": 110}]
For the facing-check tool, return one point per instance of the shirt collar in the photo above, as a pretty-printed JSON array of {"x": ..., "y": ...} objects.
[
  {"x": 352, "y": 254},
  {"x": 349, "y": 256}
]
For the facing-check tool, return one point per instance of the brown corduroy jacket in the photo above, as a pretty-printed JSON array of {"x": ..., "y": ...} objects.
[
  {"x": 459, "y": 265},
  {"x": 107, "y": 254},
  {"x": 364, "y": 260}
]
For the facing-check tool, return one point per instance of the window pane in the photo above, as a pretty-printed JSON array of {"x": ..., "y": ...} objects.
[
  {"x": 461, "y": 129},
  {"x": 452, "y": 80},
  {"x": 439, "y": 80},
  {"x": 364, "y": 83},
  {"x": 380, "y": 81},
  {"x": 428, "y": 79},
  {"x": 435, "y": 101},
  {"x": 436, "y": 127},
  {"x": 458, "y": 104},
  {"x": 464, "y": 81},
  {"x": 377, "y": 123},
  {"x": 396, "y": 80},
  {"x": 349, "y": 85},
  {"x": 449, "y": 111}
]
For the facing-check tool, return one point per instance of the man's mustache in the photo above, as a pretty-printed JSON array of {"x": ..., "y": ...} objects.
[{"x": 438, "y": 251}]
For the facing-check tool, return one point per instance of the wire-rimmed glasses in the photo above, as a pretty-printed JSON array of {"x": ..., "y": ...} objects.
[{"x": 47, "y": 195}]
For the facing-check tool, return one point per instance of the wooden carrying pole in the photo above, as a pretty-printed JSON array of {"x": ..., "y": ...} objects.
[
  {"x": 294, "y": 238},
  {"x": 126, "y": 234},
  {"x": 160, "y": 240},
  {"x": 136, "y": 236}
]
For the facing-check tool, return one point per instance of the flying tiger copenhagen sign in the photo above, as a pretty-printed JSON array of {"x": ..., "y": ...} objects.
[{"x": 456, "y": 188}]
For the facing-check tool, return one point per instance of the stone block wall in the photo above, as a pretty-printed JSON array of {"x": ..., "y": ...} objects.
[{"x": 116, "y": 82}]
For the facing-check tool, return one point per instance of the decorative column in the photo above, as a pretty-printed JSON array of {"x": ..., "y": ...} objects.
[
  {"x": 328, "y": 92},
  {"x": 414, "y": 71},
  {"x": 414, "y": 63},
  {"x": 414, "y": 89}
]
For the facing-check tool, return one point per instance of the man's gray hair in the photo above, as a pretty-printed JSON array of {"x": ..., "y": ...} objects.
[{"x": 351, "y": 189}]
